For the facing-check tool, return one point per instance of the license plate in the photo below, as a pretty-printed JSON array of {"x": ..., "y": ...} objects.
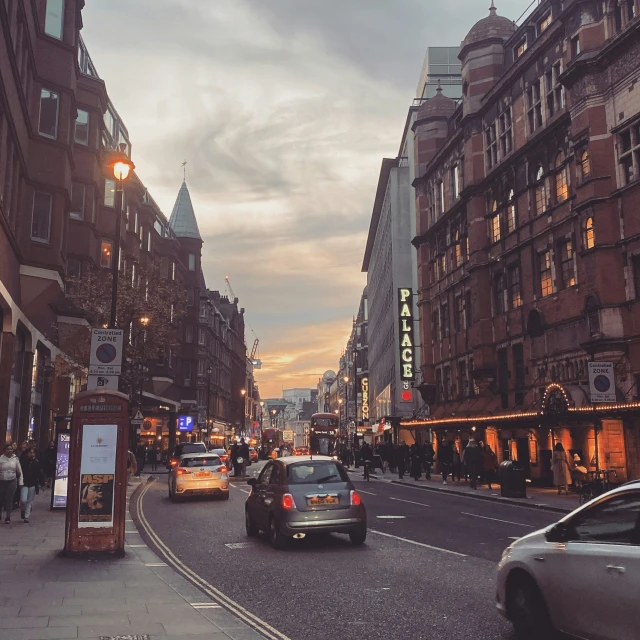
[
  {"x": 203, "y": 474},
  {"x": 318, "y": 500}
]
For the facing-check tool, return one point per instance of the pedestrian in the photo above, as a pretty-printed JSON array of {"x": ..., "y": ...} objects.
[
  {"x": 235, "y": 452},
  {"x": 243, "y": 457},
  {"x": 401, "y": 459},
  {"x": 429, "y": 456},
  {"x": 561, "y": 469},
  {"x": 445, "y": 460},
  {"x": 579, "y": 472},
  {"x": 471, "y": 459},
  {"x": 132, "y": 465},
  {"x": 49, "y": 463},
  {"x": 153, "y": 459},
  {"x": 490, "y": 465},
  {"x": 141, "y": 458},
  {"x": 456, "y": 467},
  {"x": 481, "y": 474},
  {"x": 416, "y": 462},
  {"x": 32, "y": 481},
  {"x": 10, "y": 479},
  {"x": 392, "y": 452}
]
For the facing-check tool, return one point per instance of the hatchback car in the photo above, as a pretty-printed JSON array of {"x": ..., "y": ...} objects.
[
  {"x": 185, "y": 447},
  {"x": 296, "y": 496},
  {"x": 580, "y": 576},
  {"x": 199, "y": 474},
  {"x": 253, "y": 455},
  {"x": 222, "y": 454}
]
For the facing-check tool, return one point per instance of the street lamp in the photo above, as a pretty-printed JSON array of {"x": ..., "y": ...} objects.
[
  {"x": 122, "y": 168},
  {"x": 209, "y": 372},
  {"x": 243, "y": 393}
]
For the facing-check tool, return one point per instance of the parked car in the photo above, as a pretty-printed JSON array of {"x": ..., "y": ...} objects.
[
  {"x": 253, "y": 454},
  {"x": 199, "y": 474},
  {"x": 301, "y": 451},
  {"x": 185, "y": 447},
  {"x": 223, "y": 455},
  {"x": 296, "y": 496},
  {"x": 581, "y": 576}
]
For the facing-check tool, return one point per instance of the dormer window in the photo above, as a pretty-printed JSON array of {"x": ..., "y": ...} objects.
[
  {"x": 521, "y": 48},
  {"x": 544, "y": 23}
]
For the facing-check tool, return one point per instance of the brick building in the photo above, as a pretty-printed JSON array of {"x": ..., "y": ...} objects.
[
  {"x": 57, "y": 221},
  {"x": 528, "y": 240}
]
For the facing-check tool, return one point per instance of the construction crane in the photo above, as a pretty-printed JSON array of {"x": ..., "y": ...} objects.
[{"x": 256, "y": 362}]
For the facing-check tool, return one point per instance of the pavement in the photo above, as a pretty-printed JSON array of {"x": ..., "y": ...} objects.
[{"x": 44, "y": 596}]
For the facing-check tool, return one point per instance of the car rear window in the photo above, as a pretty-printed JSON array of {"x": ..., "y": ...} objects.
[
  {"x": 191, "y": 448},
  {"x": 210, "y": 461},
  {"x": 313, "y": 472}
]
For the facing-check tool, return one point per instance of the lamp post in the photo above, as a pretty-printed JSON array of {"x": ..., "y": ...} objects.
[
  {"x": 346, "y": 401},
  {"x": 122, "y": 168},
  {"x": 243, "y": 393},
  {"x": 209, "y": 372}
]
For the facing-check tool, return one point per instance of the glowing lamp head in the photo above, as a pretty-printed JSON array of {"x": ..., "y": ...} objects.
[{"x": 121, "y": 170}]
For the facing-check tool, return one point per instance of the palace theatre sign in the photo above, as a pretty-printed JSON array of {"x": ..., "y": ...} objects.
[{"x": 407, "y": 348}]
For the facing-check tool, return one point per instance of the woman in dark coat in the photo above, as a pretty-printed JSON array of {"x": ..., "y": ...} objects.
[
  {"x": 416, "y": 462},
  {"x": 445, "y": 460}
]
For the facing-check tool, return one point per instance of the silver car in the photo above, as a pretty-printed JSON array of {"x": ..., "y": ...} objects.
[
  {"x": 199, "y": 474},
  {"x": 296, "y": 496},
  {"x": 580, "y": 576}
]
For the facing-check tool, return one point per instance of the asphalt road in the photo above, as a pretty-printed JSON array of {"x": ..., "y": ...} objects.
[{"x": 404, "y": 583}]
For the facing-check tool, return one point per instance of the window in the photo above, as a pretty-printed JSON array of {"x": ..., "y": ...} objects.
[
  {"x": 54, "y": 19},
  {"x": 589, "y": 236},
  {"x": 544, "y": 23},
  {"x": 585, "y": 165},
  {"x": 474, "y": 390},
  {"x": 192, "y": 262},
  {"x": 495, "y": 223},
  {"x": 546, "y": 279},
  {"x": 511, "y": 212},
  {"x": 457, "y": 250},
  {"x": 562, "y": 187},
  {"x": 78, "y": 192},
  {"x": 500, "y": 293},
  {"x": 555, "y": 91},
  {"x": 201, "y": 336},
  {"x": 467, "y": 306},
  {"x": 190, "y": 297},
  {"x": 187, "y": 373},
  {"x": 460, "y": 313},
  {"x": 521, "y": 48},
  {"x": 110, "y": 122},
  {"x": 188, "y": 333},
  {"x": 515, "y": 295},
  {"x": 48, "y": 124},
  {"x": 447, "y": 384},
  {"x": 568, "y": 267},
  {"x": 518, "y": 364},
  {"x": 540, "y": 192},
  {"x": 463, "y": 382},
  {"x": 592, "y": 310},
  {"x": 455, "y": 181},
  {"x": 441, "y": 197},
  {"x": 503, "y": 377},
  {"x": 614, "y": 521},
  {"x": 109, "y": 193},
  {"x": 134, "y": 279},
  {"x": 492, "y": 146},
  {"x": 506, "y": 137},
  {"x": 157, "y": 225},
  {"x": 575, "y": 46},
  {"x": 445, "y": 320},
  {"x": 435, "y": 326},
  {"x": 105, "y": 254},
  {"x": 149, "y": 241},
  {"x": 629, "y": 153},
  {"x": 74, "y": 268},
  {"x": 313, "y": 472},
  {"x": 41, "y": 217},
  {"x": 534, "y": 106},
  {"x": 81, "y": 135}
]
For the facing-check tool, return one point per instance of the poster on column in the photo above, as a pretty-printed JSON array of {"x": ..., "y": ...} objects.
[
  {"x": 97, "y": 475},
  {"x": 61, "y": 473}
]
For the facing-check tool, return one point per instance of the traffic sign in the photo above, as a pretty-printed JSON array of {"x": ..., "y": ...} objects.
[
  {"x": 103, "y": 382},
  {"x": 602, "y": 382},
  {"x": 138, "y": 418},
  {"x": 106, "y": 352}
]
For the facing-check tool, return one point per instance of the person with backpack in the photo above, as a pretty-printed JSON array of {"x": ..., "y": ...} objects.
[
  {"x": 10, "y": 480},
  {"x": 445, "y": 460},
  {"x": 471, "y": 460},
  {"x": 32, "y": 481}
]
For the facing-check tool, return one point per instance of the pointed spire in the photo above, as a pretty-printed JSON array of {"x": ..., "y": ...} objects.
[
  {"x": 439, "y": 88},
  {"x": 492, "y": 9},
  {"x": 183, "y": 218}
]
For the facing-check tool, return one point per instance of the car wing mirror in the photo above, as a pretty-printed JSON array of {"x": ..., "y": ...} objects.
[
  {"x": 252, "y": 482},
  {"x": 558, "y": 533}
]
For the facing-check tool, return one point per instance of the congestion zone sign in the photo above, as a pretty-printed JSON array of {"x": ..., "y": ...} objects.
[{"x": 106, "y": 352}]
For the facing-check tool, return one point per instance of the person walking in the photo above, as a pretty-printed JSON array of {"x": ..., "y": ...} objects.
[
  {"x": 456, "y": 468},
  {"x": 401, "y": 459},
  {"x": 32, "y": 481},
  {"x": 429, "y": 457},
  {"x": 490, "y": 465},
  {"x": 243, "y": 454},
  {"x": 416, "y": 465},
  {"x": 235, "y": 453},
  {"x": 153, "y": 459},
  {"x": 561, "y": 469},
  {"x": 132, "y": 466},
  {"x": 141, "y": 458},
  {"x": 471, "y": 460},
  {"x": 445, "y": 459},
  {"x": 10, "y": 479}
]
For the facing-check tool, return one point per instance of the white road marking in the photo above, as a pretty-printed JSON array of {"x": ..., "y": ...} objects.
[
  {"x": 419, "y": 544},
  {"x": 514, "y": 538},
  {"x": 137, "y": 546},
  {"x": 520, "y": 524},
  {"x": 239, "y": 489},
  {"x": 391, "y": 517},
  {"x": 422, "y": 504},
  {"x": 369, "y": 493},
  {"x": 156, "y": 564}
]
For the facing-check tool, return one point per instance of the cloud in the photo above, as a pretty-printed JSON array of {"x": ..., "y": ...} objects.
[{"x": 283, "y": 110}]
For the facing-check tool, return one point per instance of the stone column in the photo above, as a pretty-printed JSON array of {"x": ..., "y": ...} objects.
[
  {"x": 7, "y": 346},
  {"x": 25, "y": 396}
]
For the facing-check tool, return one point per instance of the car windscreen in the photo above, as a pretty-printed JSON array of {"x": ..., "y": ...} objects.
[
  {"x": 323, "y": 422},
  {"x": 219, "y": 452},
  {"x": 313, "y": 472},
  {"x": 209, "y": 461},
  {"x": 192, "y": 448}
]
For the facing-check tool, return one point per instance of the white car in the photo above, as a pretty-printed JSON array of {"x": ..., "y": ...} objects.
[
  {"x": 199, "y": 474},
  {"x": 580, "y": 576}
]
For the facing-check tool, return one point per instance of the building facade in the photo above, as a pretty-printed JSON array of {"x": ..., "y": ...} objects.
[{"x": 528, "y": 242}]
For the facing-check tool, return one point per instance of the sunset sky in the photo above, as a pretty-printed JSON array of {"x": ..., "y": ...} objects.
[{"x": 283, "y": 110}]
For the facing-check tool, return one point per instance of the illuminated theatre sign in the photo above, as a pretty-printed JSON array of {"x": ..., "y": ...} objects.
[
  {"x": 407, "y": 348},
  {"x": 365, "y": 398}
]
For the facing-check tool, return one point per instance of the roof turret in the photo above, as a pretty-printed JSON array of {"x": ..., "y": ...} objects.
[{"x": 183, "y": 218}]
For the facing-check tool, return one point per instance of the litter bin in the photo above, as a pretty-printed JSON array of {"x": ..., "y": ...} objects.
[{"x": 513, "y": 482}]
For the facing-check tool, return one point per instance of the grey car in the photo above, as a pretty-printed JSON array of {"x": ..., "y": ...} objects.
[{"x": 299, "y": 495}]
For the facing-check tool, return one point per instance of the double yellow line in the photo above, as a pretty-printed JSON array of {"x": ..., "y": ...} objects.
[{"x": 233, "y": 607}]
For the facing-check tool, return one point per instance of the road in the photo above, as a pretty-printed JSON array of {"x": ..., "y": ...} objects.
[{"x": 426, "y": 571}]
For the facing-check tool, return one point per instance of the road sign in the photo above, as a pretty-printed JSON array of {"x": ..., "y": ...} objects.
[
  {"x": 602, "y": 384},
  {"x": 106, "y": 352},
  {"x": 103, "y": 382},
  {"x": 138, "y": 418}
]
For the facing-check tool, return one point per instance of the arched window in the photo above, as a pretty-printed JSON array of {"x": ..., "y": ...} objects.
[
  {"x": 562, "y": 183},
  {"x": 585, "y": 165},
  {"x": 541, "y": 192},
  {"x": 589, "y": 235},
  {"x": 511, "y": 212}
]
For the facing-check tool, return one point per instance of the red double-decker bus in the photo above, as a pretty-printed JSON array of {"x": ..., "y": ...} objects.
[
  {"x": 271, "y": 439},
  {"x": 323, "y": 434}
]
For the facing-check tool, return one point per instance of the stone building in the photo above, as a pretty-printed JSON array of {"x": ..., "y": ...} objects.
[{"x": 528, "y": 239}]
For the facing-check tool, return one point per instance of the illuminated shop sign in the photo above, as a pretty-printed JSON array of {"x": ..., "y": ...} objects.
[
  {"x": 365, "y": 398},
  {"x": 407, "y": 349}
]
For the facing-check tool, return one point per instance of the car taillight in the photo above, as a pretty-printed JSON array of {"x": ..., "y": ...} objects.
[
  {"x": 288, "y": 502},
  {"x": 222, "y": 470},
  {"x": 223, "y": 458},
  {"x": 174, "y": 463},
  {"x": 355, "y": 499},
  {"x": 180, "y": 472}
]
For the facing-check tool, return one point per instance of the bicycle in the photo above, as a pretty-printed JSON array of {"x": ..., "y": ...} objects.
[{"x": 598, "y": 484}]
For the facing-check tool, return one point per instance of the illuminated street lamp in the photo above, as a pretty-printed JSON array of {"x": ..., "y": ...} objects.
[
  {"x": 209, "y": 372},
  {"x": 122, "y": 168}
]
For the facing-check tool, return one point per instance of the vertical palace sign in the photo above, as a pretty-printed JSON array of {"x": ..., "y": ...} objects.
[
  {"x": 407, "y": 348},
  {"x": 365, "y": 398}
]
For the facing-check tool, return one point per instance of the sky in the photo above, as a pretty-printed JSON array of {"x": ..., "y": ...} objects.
[{"x": 283, "y": 110}]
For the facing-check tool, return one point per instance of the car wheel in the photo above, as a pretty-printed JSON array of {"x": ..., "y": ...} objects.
[
  {"x": 249, "y": 525},
  {"x": 527, "y": 611},
  {"x": 278, "y": 541},
  {"x": 358, "y": 537}
]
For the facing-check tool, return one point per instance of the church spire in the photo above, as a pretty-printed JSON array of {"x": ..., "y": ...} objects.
[{"x": 183, "y": 218}]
